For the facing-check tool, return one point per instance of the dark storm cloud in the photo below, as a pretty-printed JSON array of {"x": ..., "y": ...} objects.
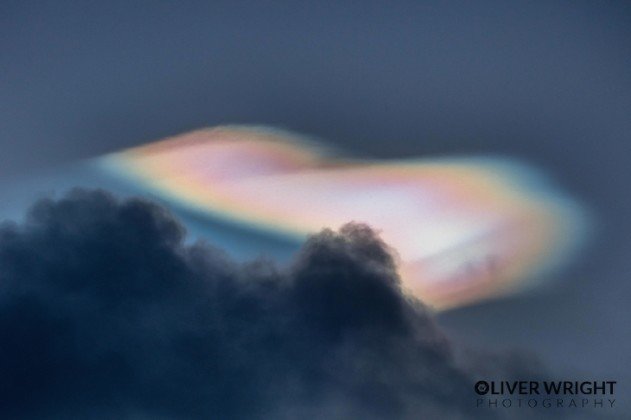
[{"x": 106, "y": 312}]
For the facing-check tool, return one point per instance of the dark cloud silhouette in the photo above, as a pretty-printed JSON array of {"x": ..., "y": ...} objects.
[{"x": 106, "y": 312}]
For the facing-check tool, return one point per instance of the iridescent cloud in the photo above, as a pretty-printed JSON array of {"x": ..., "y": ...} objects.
[{"x": 464, "y": 229}]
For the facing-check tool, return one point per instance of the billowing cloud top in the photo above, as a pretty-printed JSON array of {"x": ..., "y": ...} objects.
[
  {"x": 106, "y": 312},
  {"x": 464, "y": 229}
]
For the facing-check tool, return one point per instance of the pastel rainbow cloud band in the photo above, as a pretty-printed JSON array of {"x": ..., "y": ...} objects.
[{"x": 464, "y": 229}]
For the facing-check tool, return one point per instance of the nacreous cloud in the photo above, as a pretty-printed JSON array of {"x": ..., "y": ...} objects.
[
  {"x": 465, "y": 229},
  {"x": 106, "y": 313}
]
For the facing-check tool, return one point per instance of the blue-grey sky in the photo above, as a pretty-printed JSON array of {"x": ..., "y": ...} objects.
[{"x": 545, "y": 81}]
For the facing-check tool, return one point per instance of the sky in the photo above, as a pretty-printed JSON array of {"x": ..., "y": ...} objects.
[{"x": 545, "y": 82}]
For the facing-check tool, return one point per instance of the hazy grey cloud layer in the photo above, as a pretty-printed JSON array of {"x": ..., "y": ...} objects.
[{"x": 106, "y": 312}]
